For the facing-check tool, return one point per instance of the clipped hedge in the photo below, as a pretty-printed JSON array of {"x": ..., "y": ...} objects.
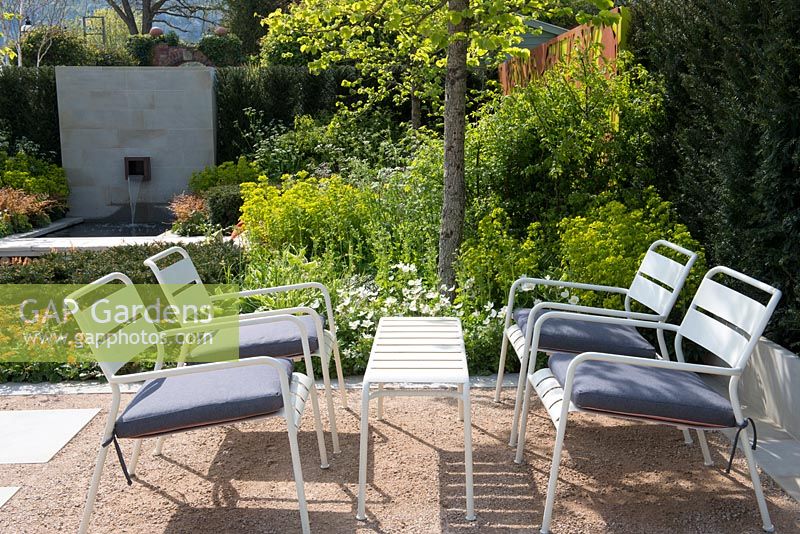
[
  {"x": 29, "y": 107},
  {"x": 216, "y": 263},
  {"x": 278, "y": 92},
  {"x": 729, "y": 154}
]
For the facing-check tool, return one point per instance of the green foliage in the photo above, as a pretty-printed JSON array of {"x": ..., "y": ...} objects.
[
  {"x": 352, "y": 145},
  {"x": 224, "y": 204},
  {"x": 397, "y": 46},
  {"x": 547, "y": 150},
  {"x": 280, "y": 93},
  {"x": 228, "y": 173},
  {"x": 492, "y": 259},
  {"x": 243, "y": 18},
  {"x": 33, "y": 175},
  {"x": 29, "y": 109},
  {"x": 606, "y": 245},
  {"x": 191, "y": 215},
  {"x": 730, "y": 151},
  {"x": 222, "y": 50},
  {"x": 58, "y": 47},
  {"x": 140, "y": 47},
  {"x": 217, "y": 263},
  {"x": 316, "y": 214}
]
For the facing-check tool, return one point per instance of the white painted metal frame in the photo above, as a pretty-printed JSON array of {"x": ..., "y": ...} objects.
[
  {"x": 295, "y": 391},
  {"x": 183, "y": 272},
  {"x": 420, "y": 351},
  {"x": 652, "y": 295},
  {"x": 732, "y": 340}
]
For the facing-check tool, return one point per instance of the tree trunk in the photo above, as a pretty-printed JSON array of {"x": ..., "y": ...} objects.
[
  {"x": 125, "y": 13},
  {"x": 455, "y": 198},
  {"x": 416, "y": 110},
  {"x": 147, "y": 17}
]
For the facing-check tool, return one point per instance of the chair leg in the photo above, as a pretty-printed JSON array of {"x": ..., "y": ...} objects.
[
  {"x": 137, "y": 449},
  {"x": 687, "y": 437},
  {"x": 523, "y": 421},
  {"x": 379, "y": 408},
  {"x": 339, "y": 374},
  {"x": 326, "y": 379},
  {"x": 552, "y": 483},
  {"x": 460, "y": 402},
  {"x": 298, "y": 478},
  {"x": 323, "y": 454},
  {"x": 521, "y": 386},
  {"x": 93, "y": 486},
  {"x": 361, "y": 514},
  {"x": 701, "y": 438},
  {"x": 766, "y": 523},
  {"x": 159, "y": 445},
  {"x": 501, "y": 369}
]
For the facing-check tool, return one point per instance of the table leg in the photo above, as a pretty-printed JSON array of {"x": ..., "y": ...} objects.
[
  {"x": 468, "y": 451},
  {"x": 460, "y": 402},
  {"x": 380, "y": 402},
  {"x": 362, "y": 460}
]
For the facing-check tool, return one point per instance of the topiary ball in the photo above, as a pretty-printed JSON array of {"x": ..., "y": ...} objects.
[{"x": 156, "y": 32}]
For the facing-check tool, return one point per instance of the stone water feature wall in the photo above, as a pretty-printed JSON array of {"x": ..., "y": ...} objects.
[{"x": 108, "y": 113}]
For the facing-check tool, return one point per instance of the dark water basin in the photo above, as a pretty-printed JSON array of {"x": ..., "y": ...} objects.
[{"x": 105, "y": 229}]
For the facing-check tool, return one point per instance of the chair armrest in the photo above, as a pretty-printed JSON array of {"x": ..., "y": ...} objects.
[
  {"x": 566, "y": 283},
  {"x": 284, "y": 289},
  {"x": 558, "y": 283}
]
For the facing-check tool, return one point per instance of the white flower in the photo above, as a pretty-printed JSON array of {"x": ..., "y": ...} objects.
[
  {"x": 537, "y": 302},
  {"x": 389, "y": 301},
  {"x": 574, "y": 299},
  {"x": 315, "y": 304},
  {"x": 458, "y": 306},
  {"x": 564, "y": 294},
  {"x": 353, "y": 325},
  {"x": 489, "y": 306},
  {"x": 431, "y": 295},
  {"x": 366, "y": 323},
  {"x": 527, "y": 286}
]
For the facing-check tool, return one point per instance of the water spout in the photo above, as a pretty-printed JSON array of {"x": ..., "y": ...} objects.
[{"x": 134, "y": 185}]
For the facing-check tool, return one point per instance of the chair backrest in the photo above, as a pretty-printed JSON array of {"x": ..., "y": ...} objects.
[
  {"x": 724, "y": 321},
  {"x": 114, "y": 321},
  {"x": 179, "y": 279},
  {"x": 659, "y": 279}
]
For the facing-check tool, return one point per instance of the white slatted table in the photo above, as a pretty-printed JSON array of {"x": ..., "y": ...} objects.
[{"x": 422, "y": 351}]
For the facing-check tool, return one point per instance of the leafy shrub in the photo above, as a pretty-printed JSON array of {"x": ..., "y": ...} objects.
[
  {"x": 29, "y": 110},
  {"x": 65, "y": 47},
  {"x": 493, "y": 259},
  {"x": 316, "y": 214},
  {"x": 228, "y": 173},
  {"x": 224, "y": 204},
  {"x": 21, "y": 211},
  {"x": 140, "y": 47},
  {"x": 222, "y": 50},
  {"x": 278, "y": 92},
  {"x": 191, "y": 214},
  {"x": 352, "y": 145},
  {"x": 217, "y": 263},
  {"x": 606, "y": 245},
  {"x": 548, "y": 149},
  {"x": 730, "y": 152},
  {"x": 33, "y": 175}
]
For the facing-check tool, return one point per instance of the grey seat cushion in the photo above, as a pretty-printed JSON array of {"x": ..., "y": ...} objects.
[
  {"x": 565, "y": 335},
  {"x": 665, "y": 394},
  {"x": 200, "y": 399},
  {"x": 279, "y": 340}
]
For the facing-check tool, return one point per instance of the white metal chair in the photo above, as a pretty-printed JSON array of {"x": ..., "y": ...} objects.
[
  {"x": 180, "y": 282},
  {"x": 186, "y": 397},
  {"x": 723, "y": 321},
  {"x": 656, "y": 285}
]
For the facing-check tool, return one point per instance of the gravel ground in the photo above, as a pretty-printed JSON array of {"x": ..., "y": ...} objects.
[{"x": 616, "y": 476}]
